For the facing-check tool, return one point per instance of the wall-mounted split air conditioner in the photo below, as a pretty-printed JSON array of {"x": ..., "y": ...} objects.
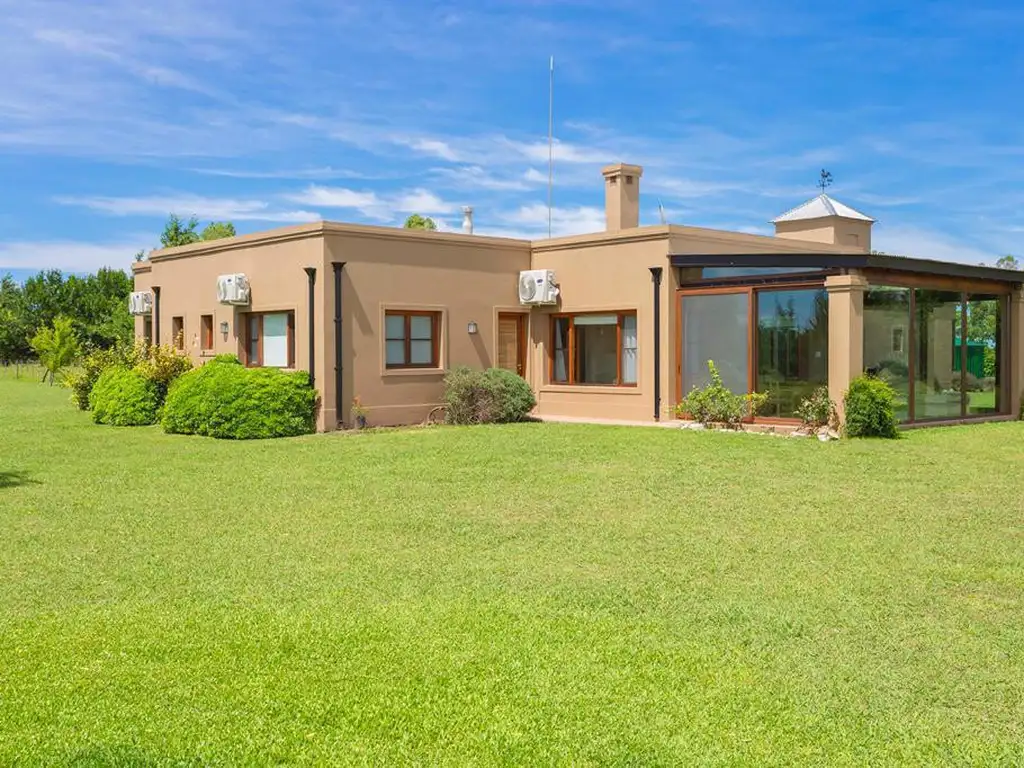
[
  {"x": 233, "y": 289},
  {"x": 537, "y": 287}
]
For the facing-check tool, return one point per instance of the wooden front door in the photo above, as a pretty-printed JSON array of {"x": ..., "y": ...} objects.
[{"x": 512, "y": 342}]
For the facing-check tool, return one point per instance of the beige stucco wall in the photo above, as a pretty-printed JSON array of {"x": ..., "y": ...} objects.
[
  {"x": 466, "y": 278},
  {"x": 831, "y": 230},
  {"x": 273, "y": 263},
  {"x": 598, "y": 274}
]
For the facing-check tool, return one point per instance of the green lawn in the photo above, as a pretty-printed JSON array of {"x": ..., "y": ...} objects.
[{"x": 531, "y": 594}]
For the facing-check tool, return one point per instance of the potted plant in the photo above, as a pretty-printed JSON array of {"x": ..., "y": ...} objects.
[{"x": 359, "y": 412}]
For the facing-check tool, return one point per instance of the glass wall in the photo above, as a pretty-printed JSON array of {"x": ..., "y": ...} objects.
[
  {"x": 937, "y": 316},
  {"x": 792, "y": 347},
  {"x": 943, "y": 351},
  {"x": 716, "y": 327},
  {"x": 887, "y": 340},
  {"x": 984, "y": 355}
]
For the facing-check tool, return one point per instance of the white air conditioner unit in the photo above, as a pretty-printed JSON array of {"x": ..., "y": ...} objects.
[
  {"x": 233, "y": 289},
  {"x": 140, "y": 303},
  {"x": 537, "y": 286}
]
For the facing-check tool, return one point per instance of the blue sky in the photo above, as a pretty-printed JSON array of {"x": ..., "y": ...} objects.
[{"x": 114, "y": 113}]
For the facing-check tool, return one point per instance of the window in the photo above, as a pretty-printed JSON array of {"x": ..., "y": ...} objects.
[
  {"x": 594, "y": 349},
  {"x": 178, "y": 332},
  {"x": 147, "y": 329},
  {"x": 899, "y": 337},
  {"x": 411, "y": 339},
  {"x": 206, "y": 332},
  {"x": 270, "y": 340}
]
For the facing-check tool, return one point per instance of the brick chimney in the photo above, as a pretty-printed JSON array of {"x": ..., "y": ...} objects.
[{"x": 621, "y": 196}]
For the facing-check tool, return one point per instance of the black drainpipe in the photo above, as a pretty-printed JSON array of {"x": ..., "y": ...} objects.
[
  {"x": 339, "y": 408},
  {"x": 311, "y": 274},
  {"x": 656, "y": 279},
  {"x": 156, "y": 315}
]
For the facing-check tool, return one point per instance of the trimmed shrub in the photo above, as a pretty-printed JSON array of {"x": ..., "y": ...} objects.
[
  {"x": 162, "y": 364},
  {"x": 194, "y": 397},
  {"x": 469, "y": 396},
  {"x": 226, "y": 400},
  {"x": 96, "y": 362},
  {"x": 123, "y": 397},
  {"x": 716, "y": 404},
  {"x": 513, "y": 398},
  {"x": 870, "y": 405},
  {"x": 818, "y": 410}
]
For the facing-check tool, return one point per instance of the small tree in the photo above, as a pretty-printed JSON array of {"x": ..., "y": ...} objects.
[
  {"x": 415, "y": 221},
  {"x": 56, "y": 346},
  {"x": 217, "y": 230},
  {"x": 176, "y": 232},
  {"x": 1008, "y": 262}
]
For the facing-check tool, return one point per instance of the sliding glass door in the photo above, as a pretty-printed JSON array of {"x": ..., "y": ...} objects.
[
  {"x": 716, "y": 326},
  {"x": 765, "y": 339},
  {"x": 792, "y": 348}
]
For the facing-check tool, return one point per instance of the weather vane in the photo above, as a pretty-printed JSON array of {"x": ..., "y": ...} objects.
[{"x": 825, "y": 181}]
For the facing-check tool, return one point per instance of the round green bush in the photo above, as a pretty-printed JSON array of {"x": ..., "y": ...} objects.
[
  {"x": 486, "y": 397},
  {"x": 122, "y": 397},
  {"x": 870, "y": 406},
  {"x": 194, "y": 398},
  {"x": 513, "y": 398},
  {"x": 226, "y": 400}
]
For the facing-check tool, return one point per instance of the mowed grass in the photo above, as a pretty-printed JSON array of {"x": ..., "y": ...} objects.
[{"x": 521, "y": 595}]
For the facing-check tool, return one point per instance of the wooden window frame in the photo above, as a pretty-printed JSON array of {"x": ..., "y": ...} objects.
[
  {"x": 570, "y": 371},
  {"x": 206, "y": 333},
  {"x": 435, "y": 339},
  {"x": 751, "y": 290},
  {"x": 257, "y": 318},
  {"x": 178, "y": 332}
]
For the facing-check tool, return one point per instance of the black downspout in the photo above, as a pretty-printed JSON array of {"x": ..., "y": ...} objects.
[
  {"x": 156, "y": 315},
  {"x": 656, "y": 279},
  {"x": 311, "y": 274},
  {"x": 338, "y": 389}
]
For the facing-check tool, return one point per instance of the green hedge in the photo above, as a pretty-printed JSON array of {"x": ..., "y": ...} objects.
[
  {"x": 870, "y": 406},
  {"x": 225, "y": 400},
  {"x": 485, "y": 397},
  {"x": 123, "y": 397}
]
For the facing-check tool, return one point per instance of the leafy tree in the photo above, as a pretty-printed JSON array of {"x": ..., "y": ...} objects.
[
  {"x": 217, "y": 230},
  {"x": 176, "y": 232},
  {"x": 56, "y": 346},
  {"x": 14, "y": 329},
  {"x": 415, "y": 221},
  {"x": 1008, "y": 262}
]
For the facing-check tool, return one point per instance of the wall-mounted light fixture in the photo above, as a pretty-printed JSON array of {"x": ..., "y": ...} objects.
[
  {"x": 472, "y": 327},
  {"x": 224, "y": 329}
]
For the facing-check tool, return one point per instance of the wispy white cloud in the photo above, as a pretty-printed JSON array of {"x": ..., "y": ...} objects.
[
  {"x": 70, "y": 255},
  {"x": 929, "y": 244},
  {"x": 371, "y": 205},
  {"x": 190, "y": 205},
  {"x": 531, "y": 222}
]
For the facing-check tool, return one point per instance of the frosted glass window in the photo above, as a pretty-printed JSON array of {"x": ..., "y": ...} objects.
[
  {"x": 275, "y": 340},
  {"x": 629, "y": 349}
]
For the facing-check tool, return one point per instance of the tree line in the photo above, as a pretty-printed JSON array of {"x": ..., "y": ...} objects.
[{"x": 92, "y": 309}]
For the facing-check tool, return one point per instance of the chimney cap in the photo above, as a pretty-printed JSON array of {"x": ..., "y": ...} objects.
[{"x": 622, "y": 169}]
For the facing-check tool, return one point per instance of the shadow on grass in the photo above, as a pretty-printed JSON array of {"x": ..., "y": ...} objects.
[{"x": 13, "y": 479}]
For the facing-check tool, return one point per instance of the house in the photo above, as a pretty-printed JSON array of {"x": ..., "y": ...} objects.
[{"x": 381, "y": 313}]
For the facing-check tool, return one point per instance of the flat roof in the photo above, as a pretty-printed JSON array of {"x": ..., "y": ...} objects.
[{"x": 847, "y": 261}]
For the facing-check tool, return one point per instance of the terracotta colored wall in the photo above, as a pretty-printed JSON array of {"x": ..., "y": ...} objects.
[{"x": 466, "y": 278}]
